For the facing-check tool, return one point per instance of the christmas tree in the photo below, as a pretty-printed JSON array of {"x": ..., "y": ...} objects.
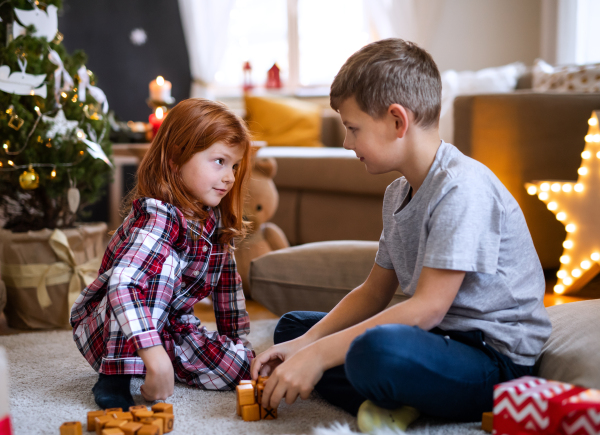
[{"x": 55, "y": 156}]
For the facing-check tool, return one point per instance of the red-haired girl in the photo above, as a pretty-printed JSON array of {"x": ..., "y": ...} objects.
[{"x": 173, "y": 249}]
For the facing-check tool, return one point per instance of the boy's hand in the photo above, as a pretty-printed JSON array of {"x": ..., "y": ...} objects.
[
  {"x": 266, "y": 362},
  {"x": 297, "y": 376},
  {"x": 160, "y": 378}
]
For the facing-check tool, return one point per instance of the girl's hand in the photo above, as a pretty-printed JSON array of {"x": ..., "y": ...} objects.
[
  {"x": 266, "y": 362},
  {"x": 160, "y": 378},
  {"x": 296, "y": 376}
]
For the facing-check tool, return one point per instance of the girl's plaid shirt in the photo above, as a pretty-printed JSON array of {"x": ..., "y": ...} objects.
[{"x": 153, "y": 272}]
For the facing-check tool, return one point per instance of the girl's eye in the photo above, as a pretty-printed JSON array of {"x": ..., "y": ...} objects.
[
  {"x": 235, "y": 167},
  {"x": 220, "y": 161}
]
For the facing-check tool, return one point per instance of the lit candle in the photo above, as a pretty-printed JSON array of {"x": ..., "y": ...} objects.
[
  {"x": 160, "y": 90},
  {"x": 156, "y": 119}
]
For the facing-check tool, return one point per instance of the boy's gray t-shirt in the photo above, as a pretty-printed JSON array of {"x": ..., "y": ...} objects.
[{"x": 463, "y": 218}]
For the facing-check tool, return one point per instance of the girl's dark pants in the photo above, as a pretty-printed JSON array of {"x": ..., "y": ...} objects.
[{"x": 447, "y": 374}]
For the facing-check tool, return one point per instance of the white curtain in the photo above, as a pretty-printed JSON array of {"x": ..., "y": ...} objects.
[
  {"x": 205, "y": 26},
  {"x": 411, "y": 20}
]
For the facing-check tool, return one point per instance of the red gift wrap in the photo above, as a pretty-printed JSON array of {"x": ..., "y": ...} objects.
[
  {"x": 5, "y": 427},
  {"x": 531, "y": 405}
]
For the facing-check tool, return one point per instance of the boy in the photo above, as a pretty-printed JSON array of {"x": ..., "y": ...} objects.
[{"x": 453, "y": 238}]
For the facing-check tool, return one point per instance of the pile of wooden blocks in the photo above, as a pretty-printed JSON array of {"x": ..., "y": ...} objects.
[
  {"x": 248, "y": 401},
  {"x": 138, "y": 421}
]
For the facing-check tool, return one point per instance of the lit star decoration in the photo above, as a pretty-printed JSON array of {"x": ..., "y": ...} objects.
[
  {"x": 59, "y": 124},
  {"x": 577, "y": 206}
]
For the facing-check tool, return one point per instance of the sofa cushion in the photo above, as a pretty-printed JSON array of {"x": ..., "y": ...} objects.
[
  {"x": 312, "y": 277},
  {"x": 284, "y": 121},
  {"x": 566, "y": 78},
  {"x": 572, "y": 353}
]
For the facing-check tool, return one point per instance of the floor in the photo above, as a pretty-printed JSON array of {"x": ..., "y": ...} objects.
[{"x": 256, "y": 311}]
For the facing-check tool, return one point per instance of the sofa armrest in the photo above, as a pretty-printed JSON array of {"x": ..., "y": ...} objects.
[{"x": 524, "y": 136}]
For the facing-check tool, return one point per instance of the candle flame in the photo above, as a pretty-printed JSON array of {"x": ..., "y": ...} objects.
[
  {"x": 160, "y": 80},
  {"x": 159, "y": 113}
]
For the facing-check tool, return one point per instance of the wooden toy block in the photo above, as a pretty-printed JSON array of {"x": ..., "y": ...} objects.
[
  {"x": 123, "y": 416},
  {"x": 101, "y": 421},
  {"x": 487, "y": 422},
  {"x": 167, "y": 419},
  {"x": 154, "y": 421},
  {"x": 238, "y": 408},
  {"x": 91, "y": 419},
  {"x": 131, "y": 428},
  {"x": 245, "y": 394},
  {"x": 262, "y": 379},
  {"x": 268, "y": 413},
  {"x": 135, "y": 408},
  {"x": 251, "y": 412},
  {"x": 148, "y": 429},
  {"x": 163, "y": 407},
  {"x": 252, "y": 382},
  {"x": 71, "y": 428},
  {"x": 259, "y": 392},
  {"x": 112, "y": 431},
  {"x": 111, "y": 410},
  {"x": 143, "y": 413},
  {"x": 115, "y": 423}
]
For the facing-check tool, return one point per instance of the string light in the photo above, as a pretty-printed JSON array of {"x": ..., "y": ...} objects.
[
  {"x": 565, "y": 259},
  {"x": 567, "y": 244},
  {"x": 561, "y": 216},
  {"x": 576, "y": 273},
  {"x": 543, "y": 196},
  {"x": 561, "y": 274},
  {"x": 11, "y": 163},
  {"x": 567, "y": 187},
  {"x": 593, "y": 122},
  {"x": 568, "y": 280},
  {"x": 585, "y": 264},
  {"x": 555, "y": 187},
  {"x": 532, "y": 190},
  {"x": 595, "y": 256},
  {"x": 582, "y": 171},
  {"x": 545, "y": 187},
  {"x": 552, "y": 205},
  {"x": 570, "y": 228},
  {"x": 578, "y": 187},
  {"x": 53, "y": 173},
  {"x": 586, "y": 155},
  {"x": 559, "y": 289}
]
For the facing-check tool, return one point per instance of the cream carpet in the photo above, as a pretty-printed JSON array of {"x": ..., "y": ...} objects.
[{"x": 51, "y": 383}]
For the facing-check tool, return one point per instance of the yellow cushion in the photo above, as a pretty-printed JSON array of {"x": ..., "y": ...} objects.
[{"x": 284, "y": 121}]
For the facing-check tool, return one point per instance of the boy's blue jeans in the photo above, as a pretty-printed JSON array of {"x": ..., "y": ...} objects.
[{"x": 447, "y": 374}]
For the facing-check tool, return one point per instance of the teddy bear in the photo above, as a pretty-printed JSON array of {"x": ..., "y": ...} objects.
[{"x": 260, "y": 206}]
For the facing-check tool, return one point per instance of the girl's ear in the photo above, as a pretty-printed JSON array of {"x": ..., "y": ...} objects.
[{"x": 171, "y": 165}]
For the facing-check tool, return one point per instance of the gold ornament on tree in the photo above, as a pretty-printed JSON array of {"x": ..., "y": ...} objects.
[
  {"x": 577, "y": 206},
  {"x": 29, "y": 179}
]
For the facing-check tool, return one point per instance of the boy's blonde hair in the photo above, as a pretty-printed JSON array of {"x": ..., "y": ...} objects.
[{"x": 391, "y": 71}]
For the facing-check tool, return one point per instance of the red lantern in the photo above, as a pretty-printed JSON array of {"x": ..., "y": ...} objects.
[
  {"x": 247, "y": 76},
  {"x": 273, "y": 78}
]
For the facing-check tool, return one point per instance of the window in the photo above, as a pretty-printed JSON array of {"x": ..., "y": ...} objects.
[{"x": 308, "y": 39}]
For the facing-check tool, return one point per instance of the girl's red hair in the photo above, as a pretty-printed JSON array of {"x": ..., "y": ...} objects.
[{"x": 192, "y": 126}]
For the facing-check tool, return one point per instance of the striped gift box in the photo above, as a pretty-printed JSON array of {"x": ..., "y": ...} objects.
[{"x": 531, "y": 405}]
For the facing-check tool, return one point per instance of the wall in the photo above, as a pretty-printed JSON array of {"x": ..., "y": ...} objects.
[
  {"x": 102, "y": 29},
  {"x": 475, "y": 34}
]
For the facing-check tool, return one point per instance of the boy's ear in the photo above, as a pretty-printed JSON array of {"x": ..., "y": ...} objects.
[{"x": 400, "y": 116}]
